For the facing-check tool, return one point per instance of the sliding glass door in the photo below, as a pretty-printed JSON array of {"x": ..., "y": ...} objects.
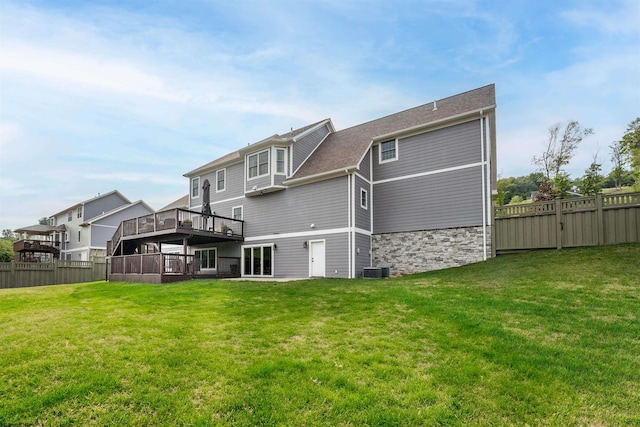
[{"x": 257, "y": 260}]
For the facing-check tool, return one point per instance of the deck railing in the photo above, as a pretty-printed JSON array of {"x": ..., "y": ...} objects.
[
  {"x": 36, "y": 246},
  {"x": 157, "y": 263},
  {"x": 176, "y": 220}
]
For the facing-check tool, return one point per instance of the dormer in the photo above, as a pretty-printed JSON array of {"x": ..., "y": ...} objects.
[{"x": 268, "y": 163}]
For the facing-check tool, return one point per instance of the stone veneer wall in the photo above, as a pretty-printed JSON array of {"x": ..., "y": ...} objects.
[{"x": 416, "y": 251}]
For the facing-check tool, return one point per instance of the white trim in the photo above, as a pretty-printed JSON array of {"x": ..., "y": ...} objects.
[
  {"x": 104, "y": 225},
  {"x": 297, "y": 234},
  {"x": 484, "y": 200},
  {"x": 311, "y": 153},
  {"x": 362, "y": 178},
  {"x": 349, "y": 246},
  {"x": 352, "y": 233},
  {"x": 431, "y": 126},
  {"x": 275, "y": 160},
  {"x": 416, "y": 175},
  {"x": 224, "y": 171},
  {"x": 313, "y": 129},
  {"x": 191, "y": 208},
  {"x": 257, "y": 154},
  {"x": 393, "y": 159},
  {"x": 366, "y": 199},
  {"x": 197, "y": 196},
  {"x": 329, "y": 174},
  {"x": 206, "y": 248},
  {"x": 371, "y": 203},
  {"x": 324, "y": 247},
  {"x": 258, "y": 245},
  {"x": 233, "y": 208}
]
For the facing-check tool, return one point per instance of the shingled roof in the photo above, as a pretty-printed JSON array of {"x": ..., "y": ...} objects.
[{"x": 344, "y": 149}]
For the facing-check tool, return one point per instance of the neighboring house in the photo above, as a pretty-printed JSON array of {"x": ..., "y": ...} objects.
[
  {"x": 410, "y": 191},
  {"x": 81, "y": 231}
]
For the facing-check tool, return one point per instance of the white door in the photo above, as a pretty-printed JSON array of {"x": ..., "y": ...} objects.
[{"x": 316, "y": 259}]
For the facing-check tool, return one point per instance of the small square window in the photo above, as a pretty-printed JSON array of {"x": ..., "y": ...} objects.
[
  {"x": 364, "y": 201},
  {"x": 195, "y": 187},
  {"x": 389, "y": 151},
  {"x": 221, "y": 176},
  {"x": 237, "y": 213}
]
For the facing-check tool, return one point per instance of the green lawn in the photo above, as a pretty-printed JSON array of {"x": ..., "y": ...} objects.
[{"x": 541, "y": 338}]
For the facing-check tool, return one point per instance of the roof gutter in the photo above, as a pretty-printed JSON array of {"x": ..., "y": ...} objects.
[
  {"x": 321, "y": 176},
  {"x": 423, "y": 126}
]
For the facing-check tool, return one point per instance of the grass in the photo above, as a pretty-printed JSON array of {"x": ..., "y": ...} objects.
[{"x": 542, "y": 338}]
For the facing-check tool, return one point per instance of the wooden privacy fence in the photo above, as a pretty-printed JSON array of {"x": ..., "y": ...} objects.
[
  {"x": 24, "y": 274},
  {"x": 584, "y": 221}
]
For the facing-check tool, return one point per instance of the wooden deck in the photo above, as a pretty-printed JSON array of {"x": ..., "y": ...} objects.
[
  {"x": 166, "y": 268},
  {"x": 174, "y": 226}
]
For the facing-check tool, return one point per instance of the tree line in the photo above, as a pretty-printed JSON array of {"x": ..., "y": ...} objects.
[{"x": 551, "y": 181}]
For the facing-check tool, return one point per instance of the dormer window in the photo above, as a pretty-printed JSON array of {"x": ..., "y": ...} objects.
[
  {"x": 258, "y": 164},
  {"x": 280, "y": 160}
]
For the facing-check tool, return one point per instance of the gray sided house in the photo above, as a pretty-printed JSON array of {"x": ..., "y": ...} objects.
[
  {"x": 410, "y": 191},
  {"x": 82, "y": 230}
]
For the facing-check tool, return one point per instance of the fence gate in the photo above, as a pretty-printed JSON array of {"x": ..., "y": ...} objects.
[{"x": 584, "y": 221}]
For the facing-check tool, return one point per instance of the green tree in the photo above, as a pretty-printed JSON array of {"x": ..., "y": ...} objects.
[
  {"x": 560, "y": 149},
  {"x": 43, "y": 221},
  {"x": 9, "y": 235},
  {"x": 515, "y": 200},
  {"x": 562, "y": 183},
  {"x": 619, "y": 160},
  {"x": 630, "y": 144},
  {"x": 592, "y": 180},
  {"x": 6, "y": 250}
]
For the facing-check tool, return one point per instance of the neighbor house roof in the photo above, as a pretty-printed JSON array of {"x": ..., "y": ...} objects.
[
  {"x": 116, "y": 210},
  {"x": 344, "y": 149},
  {"x": 182, "y": 202},
  {"x": 40, "y": 229},
  {"x": 99, "y": 196}
]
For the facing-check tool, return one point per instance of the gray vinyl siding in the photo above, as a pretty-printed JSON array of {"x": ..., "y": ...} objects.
[
  {"x": 99, "y": 231},
  {"x": 303, "y": 147},
  {"x": 443, "y": 200},
  {"x": 97, "y": 207},
  {"x": 292, "y": 259},
  {"x": 443, "y": 148},
  {"x": 364, "y": 168},
  {"x": 279, "y": 179},
  {"x": 363, "y": 259},
  {"x": 363, "y": 216},
  {"x": 294, "y": 209},
  {"x": 260, "y": 183}
]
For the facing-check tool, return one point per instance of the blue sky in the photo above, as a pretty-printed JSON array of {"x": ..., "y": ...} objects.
[{"x": 130, "y": 95}]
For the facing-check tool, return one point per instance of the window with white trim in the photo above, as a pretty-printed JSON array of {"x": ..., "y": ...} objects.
[
  {"x": 257, "y": 260},
  {"x": 69, "y": 216},
  {"x": 258, "y": 164},
  {"x": 221, "y": 179},
  {"x": 389, "y": 151},
  {"x": 236, "y": 213},
  {"x": 78, "y": 236},
  {"x": 79, "y": 213},
  {"x": 364, "y": 201},
  {"x": 206, "y": 258},
  {"x": 195, "y": 187},
  {"x": 280, "y": 160}
]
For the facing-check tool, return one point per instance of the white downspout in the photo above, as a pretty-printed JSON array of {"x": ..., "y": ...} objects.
[
  {"x": 349, "y": 219},
  {"x": 488, "y": 172},
  {"x": 484, "y": 190}
]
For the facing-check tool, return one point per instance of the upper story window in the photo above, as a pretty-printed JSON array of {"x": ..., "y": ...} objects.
[
  {"x": 70, "y": 216},
  {"x": 221, "y": 178},
  {"x": 389, "y": 151},
  {"x": 237, "y": 213},
  {"x": 258, "y": 164},
  {"x": 364, "y": 201},
  {"x": 195, "y": 187},
  {"x": 280, "y": 160},
  {"x": 79, "y": 213},
  {"x": 52, "y": 221}
]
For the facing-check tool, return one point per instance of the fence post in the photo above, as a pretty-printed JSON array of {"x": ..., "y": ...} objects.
[
  {"x": 600, "y": 219},
  {"x": 559, "y": 225}
]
